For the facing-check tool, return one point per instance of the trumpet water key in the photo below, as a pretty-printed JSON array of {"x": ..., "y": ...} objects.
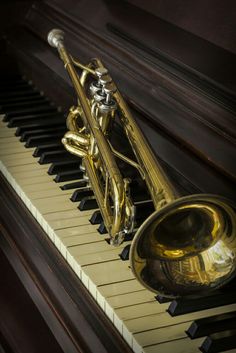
[{"x": 188, "y": 245}]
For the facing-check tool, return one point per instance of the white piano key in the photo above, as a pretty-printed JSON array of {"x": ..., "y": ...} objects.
[
  {"x": 109, "y": 311},
  {"x": 65, "y": 215},
  {"x": 136, "y": 346},
  {"x": 118, "y": 323},
  {"x": 51, "y": 233},
  {"x": 98, "y": 257},
  {"x": 63, "y": 251},
  {"x": 127, "y": 299},
  {"x": 92, "y": 289},
  {"x": 27, "y": 168},
  {"x": 80, "y": 239},
  {"x": 118, "y": 288},
  {"x": 7, "y": 132},
  {"x": 161, "y": 335},
  {"x": 103, "y": 273},
  {"x": 36, "y": 194},
  {"x": 85, "y": 279},
  {"x": 57, "y": 242},
  {"x": 72, "y": 222},
  {"x": 77, "y": 269},
  {"x": 84, "y": 249},
  {"x": 13, "y": 150},
  {"x": 127, "y": 336},
  {"x": 34, "y": 180},
  {"x": 101, "y": 300},
  {"x": 141, "y": 310},
  {"x": 183, "y": 345},
  {"x": 154, "y": 321},
  {"x": 53, "y": 204}
]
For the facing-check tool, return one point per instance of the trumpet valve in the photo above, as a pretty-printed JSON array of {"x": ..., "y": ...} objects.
[
  {"x": 97, "y": 88},
  {"x": 109, "y": 90},
  {"x": 101, "y": 71},
  {"x": 97, "y": 85},
  {"x": 107, "y": 103},
  {"x": 105, "y": 107}
]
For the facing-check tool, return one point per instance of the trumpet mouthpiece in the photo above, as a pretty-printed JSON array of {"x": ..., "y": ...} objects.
[{"x": 55, "y": 37}]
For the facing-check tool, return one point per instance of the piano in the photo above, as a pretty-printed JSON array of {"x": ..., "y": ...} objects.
[{"x": 65, "y": 289}]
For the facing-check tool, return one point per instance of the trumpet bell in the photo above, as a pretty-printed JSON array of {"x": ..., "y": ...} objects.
[{"x": 186, "y": 248}]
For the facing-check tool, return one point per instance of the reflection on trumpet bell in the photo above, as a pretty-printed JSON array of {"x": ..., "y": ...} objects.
[{"x": 189, "y": 247}]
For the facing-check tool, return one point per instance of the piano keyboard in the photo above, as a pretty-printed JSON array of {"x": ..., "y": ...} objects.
[{"x": 147, "y": 324}]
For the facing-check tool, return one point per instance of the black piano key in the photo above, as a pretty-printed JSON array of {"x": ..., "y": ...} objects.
[
  {"x": 219, "y": 342},
  {"x": 63, "y": 166},
  {"x": 11, "y": 79},
  {"x": 79, "y": 194},
  {"x": 17, "y": 94},
  {"x": 96, "y": 218},
  {"x": 37, "y": 122},
  {"x": 102, "y": 228},
  {"x": 161, "y": 299},
  {"x": 88, "y": 203},
  {"x": 31, "y": 96},
  {"x": 143, "y": 210},
  {"x": 68, "y": 175},
  {"x": 32, "y": 127},
  {"x": 48, "y": 148},
  {"x": 12, "y": 88},
  {"x": 55, "y": 156},
  {"x": 124, "y": 255},
  {"x": 182, "y": 306},
  {"x": 77, "y": 184},
  {"x": 37, "y": 118},
  {"x": 42, "y": 140},
  {"x": 4, "y": 108},
  {"x": 29, "y": 111},
  {"x": 212, "y": 324},
  {"x": 32, "y": 133},
  {"x": 129, "y": 237}
]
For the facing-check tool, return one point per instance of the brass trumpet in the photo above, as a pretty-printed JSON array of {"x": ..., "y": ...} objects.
[{"x": 188, "y": 245}]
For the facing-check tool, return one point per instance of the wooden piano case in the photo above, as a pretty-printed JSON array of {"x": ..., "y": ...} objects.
[{"x": 175, "y": 64}]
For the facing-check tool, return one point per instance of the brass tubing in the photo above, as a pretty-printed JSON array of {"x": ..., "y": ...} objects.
[
  {"x": 77, "y": 137},
  {"x": 116, "y": 180},
  {"x": 76, "y": 150},
  {"x": 158, "y": 184}
]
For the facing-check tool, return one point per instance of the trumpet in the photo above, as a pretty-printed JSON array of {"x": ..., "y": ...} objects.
[{"x": 188, "y": 245}]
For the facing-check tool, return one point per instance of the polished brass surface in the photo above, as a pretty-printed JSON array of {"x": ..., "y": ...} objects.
[{"x": 188, "y": 245}]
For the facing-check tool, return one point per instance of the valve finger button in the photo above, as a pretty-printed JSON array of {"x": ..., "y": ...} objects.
[
  {"x": 101, "y": 71},
  {"x": 110, "y": 88},
  {"x": 95, "y": 87},
  {"x": 105, "y": 79}
]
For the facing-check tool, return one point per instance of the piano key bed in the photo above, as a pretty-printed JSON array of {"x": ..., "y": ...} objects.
[{"x": 50, "y": 183}]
